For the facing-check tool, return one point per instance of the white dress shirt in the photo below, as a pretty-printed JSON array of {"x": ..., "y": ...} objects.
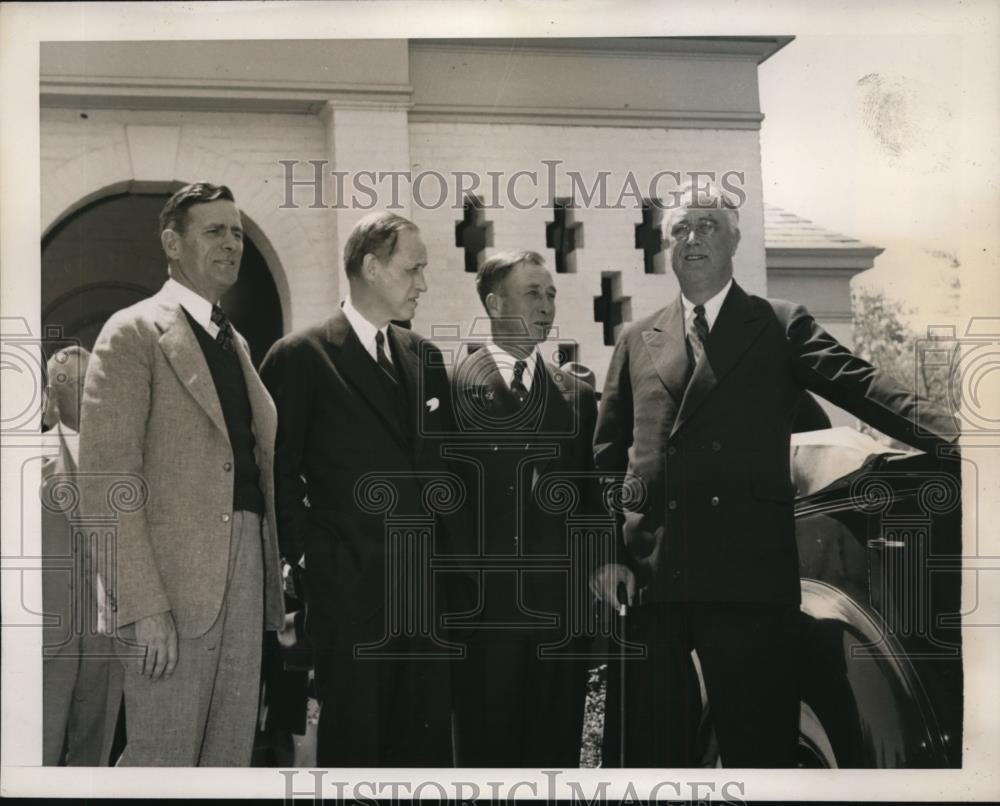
[
  {"x": 505, "y": 363},
  {"x": 712, "y": 307},
  {"x": 365, "y": 331},
  {"x": 194, "y": 303}
]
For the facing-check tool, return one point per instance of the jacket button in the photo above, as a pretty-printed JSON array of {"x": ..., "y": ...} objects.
[
  {"x": 227, "y": 466},
  {"x": 671, "y": 450},
  {"x": 715, "y": 500},
  {"x": 225, "y": 517},
  {"x": 671, "y": 505},
  {"x": 716, "y": 446},
  {"x": 510, "y": 489}
]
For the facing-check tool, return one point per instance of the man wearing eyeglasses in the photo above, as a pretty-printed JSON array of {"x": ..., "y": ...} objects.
[{"x": 697, "y": 411}]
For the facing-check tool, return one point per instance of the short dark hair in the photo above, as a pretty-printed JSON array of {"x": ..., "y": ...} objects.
[
  {"x": 174, "y": 213},
  {"x": 495, "y": 270},
  {"x": 375, "y": 234}
]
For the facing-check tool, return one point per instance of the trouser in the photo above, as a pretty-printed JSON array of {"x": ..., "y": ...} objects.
[
  {"x": 380, "y": 711},
  {"x": 515, "y": 708},
  {"x": 205, "y": 713},
  {"x": 81, "y": 693},
  {"x": 748, "y": 653}
]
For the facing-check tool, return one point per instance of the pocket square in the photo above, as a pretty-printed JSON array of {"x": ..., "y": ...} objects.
[{"x": 432, "y": 404}]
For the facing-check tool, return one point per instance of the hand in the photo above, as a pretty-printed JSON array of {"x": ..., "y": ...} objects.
[
  {"x": 606, "y": 580},
  {"x": 158, "y": 635}
]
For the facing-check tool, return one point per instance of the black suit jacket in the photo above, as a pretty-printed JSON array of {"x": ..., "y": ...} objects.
[
  {"x": 336, "y": 424},
  {"x": 526, "y": 469},
  {"x": 711, "y": 515}
]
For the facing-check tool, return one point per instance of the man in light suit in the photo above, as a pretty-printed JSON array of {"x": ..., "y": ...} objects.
[
  {"x": 697, "y": 410},
  {"x": 358, "y": 398},
  {"x": 81, "y": 681},
  {"x": 172, "y": 399},
  {"x": 520, "y": 422}
]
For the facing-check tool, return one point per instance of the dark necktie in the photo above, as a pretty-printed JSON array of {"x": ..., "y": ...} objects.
[
  {"x": 383, "y": 359},
  {"x": 224, "y": 338},
  {"x": 517, "y": 382}
]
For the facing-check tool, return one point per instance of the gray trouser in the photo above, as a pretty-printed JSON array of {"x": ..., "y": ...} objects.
[{"x": 205, "y": 713}]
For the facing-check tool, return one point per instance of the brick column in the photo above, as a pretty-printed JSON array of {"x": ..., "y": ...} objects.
[{"x": 372, "y": 137}]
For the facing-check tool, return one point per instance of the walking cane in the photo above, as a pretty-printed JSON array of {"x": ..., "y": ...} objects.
[{"x": 622, "y": 594}]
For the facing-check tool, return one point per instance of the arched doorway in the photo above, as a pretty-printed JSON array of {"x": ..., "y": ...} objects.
[{"x": 107, "y": 256}]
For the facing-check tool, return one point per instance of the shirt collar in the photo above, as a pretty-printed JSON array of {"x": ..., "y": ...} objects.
[
  {"x": 194, "y": 303},
  {"x": 505, "y": 364},
  {"x": 365, "y": 330},
  {"x": 712, "y": 307}
]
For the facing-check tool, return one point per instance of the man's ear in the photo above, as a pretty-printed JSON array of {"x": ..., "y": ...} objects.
[
  {"x": 493, "y": 304},
  {"x": 736, "y": 238},
  {"x": 369, "y": 267},
  {"x": 170, "y": 240}
]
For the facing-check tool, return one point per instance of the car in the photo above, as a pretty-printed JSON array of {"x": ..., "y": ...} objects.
[{"x": 879, "y": 534}]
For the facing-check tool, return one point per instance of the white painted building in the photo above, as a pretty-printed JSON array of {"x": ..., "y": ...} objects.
[{"x": 123, "y": 124}]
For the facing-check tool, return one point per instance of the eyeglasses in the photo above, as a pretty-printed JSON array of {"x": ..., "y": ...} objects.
[{"x": 682, "y": 229}]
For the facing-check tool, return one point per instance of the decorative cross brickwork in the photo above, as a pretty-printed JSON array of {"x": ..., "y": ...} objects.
[
  {"x": 473, "y": 233},
  {"x": 611, "y": 308},
  {"x": 649, "y": 237},
  {"x": 564, "y": 235}
]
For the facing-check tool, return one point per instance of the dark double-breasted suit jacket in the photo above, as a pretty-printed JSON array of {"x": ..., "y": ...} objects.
[
  {"x": 519, "y": 462},
  {"x": 707, "y": 463}
]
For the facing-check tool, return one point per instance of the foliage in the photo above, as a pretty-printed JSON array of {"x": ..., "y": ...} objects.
[
  {"x": 884, "y": 337},
  {"x": 593, "y": 717}
]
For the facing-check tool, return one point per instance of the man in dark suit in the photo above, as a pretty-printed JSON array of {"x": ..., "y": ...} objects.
[
  {"x": 357, "y": 399},
  {"x": 697, "y": 410},
  {"x": 172, "y": 399},
  {"x": 522, "y": 421}
]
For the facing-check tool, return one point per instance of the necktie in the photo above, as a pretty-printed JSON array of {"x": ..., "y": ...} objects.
[
  {"x": 224, "y": 338},
  {"x": 383, "y": 359},
  {"x": 697, "y": 335},
  {"x": 517, "y": 382}
]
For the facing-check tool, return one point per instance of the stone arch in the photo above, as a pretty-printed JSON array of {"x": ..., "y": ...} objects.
[{"x": 148, "y": 160}]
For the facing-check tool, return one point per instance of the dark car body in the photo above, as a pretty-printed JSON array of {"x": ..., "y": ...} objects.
[{"x": 880, "y": 562}]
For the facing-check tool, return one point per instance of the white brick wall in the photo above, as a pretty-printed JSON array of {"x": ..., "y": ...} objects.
[
  {"x": 83, "y": 157},
  {"x": 609, "y": 234}
]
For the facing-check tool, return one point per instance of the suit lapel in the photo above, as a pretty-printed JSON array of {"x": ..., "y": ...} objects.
[
  {"x": 357, "y": 365},
  {"x": 265, "y": 420},
  {"x": 184, "y": 353},
  {"x": 68, "y": 464},
  {"x": 736, "y": 328},
  {"x": 483, "y": 387},
  {"x": 408, "y": 365},
  {"x": 667, "y": 350},
  {"x": 557, "y": 411}
]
